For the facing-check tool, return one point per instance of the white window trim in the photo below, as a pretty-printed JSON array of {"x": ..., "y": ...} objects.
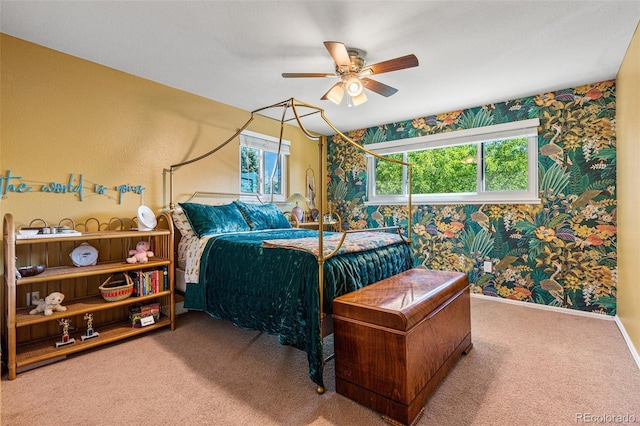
[
  {"x": 265, "y": 143},
  {"x": 528, "y": 128}
]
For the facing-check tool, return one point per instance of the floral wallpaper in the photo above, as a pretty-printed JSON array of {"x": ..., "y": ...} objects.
[{"x": 561, "y": 252}]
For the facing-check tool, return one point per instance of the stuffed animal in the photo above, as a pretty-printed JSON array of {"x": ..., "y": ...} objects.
[
  {"x": 50, "y": 303},
  {"x": 141, "y": 254}
]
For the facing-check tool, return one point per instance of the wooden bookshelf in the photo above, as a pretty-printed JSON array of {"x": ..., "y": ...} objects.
[{"x": 31, "y": 339}]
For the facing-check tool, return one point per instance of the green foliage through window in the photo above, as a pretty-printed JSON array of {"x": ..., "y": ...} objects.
[
  {"x": 454, "y": 169},
  {"x": 447, "y": 170},
  {"x": 250, "y": 169},
  {"x": 505, "y": 165},
  {"x": 389, "y": 176},
  {"x": 252, "y": 174}
]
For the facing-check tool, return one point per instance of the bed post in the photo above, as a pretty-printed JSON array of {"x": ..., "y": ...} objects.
[{"x": 323, "y": 184}]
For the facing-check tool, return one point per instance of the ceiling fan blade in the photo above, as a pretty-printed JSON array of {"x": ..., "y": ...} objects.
[
  {"x": 339, "y": 53},
  {"x": 396, "y": 64},
  {"x": 379, "y": 88},
  {"x": 334, "y": 94},
  {"x": 305, "y": 74}
]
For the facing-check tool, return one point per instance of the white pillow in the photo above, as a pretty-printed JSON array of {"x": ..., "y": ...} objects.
[{"x": 181, "y": 222}]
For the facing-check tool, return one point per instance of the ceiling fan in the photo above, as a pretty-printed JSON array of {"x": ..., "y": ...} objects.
[{"x": 350, "y": 67}]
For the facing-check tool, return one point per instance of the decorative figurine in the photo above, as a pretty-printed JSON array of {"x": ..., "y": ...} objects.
[
  {"x": 141, "y": 254},
  {"x": 66, "y": 340},
  {"x": 90, "y": 334}
]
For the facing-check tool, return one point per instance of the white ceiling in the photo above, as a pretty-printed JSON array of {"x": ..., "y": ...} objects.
[{"x": 471, "y": 52}]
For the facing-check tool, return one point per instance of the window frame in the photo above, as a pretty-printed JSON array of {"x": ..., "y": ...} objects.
[
  {"x": 264, "y": 143},
  {"x": 479, "y": 135}
]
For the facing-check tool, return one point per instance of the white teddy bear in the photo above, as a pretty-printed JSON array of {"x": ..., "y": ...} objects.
[{"x": 50, "y": 303}]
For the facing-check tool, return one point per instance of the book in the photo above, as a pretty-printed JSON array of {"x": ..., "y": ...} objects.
[
  {"x": 147, "y": 282},
  {"x": 138, "y": 312},
  {"x": 165, "y": 278}
]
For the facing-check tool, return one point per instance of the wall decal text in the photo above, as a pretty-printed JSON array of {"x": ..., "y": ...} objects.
[{"x": 10, "y": 183}]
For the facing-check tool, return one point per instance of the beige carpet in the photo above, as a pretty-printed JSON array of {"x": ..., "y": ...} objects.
[{"x": 528, "y": 367}]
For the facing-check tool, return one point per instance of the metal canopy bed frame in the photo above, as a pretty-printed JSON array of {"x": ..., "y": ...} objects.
[{"x": 294, "y": 111}]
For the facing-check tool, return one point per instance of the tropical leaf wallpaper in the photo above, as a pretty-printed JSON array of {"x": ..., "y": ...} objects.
[{"x": 561, "y": 252}]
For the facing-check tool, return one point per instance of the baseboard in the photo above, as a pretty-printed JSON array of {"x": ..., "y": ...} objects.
[
  {"x": 625, "y": 335},
  {"x": 545, "y": 307},
  {"x": 623, "y": 331}
]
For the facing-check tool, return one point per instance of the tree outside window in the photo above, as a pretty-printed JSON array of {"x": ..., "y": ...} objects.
[
  {"x": 505, "y": 165},
  {"x": 458, "y": 169},
  {"x": 250, "y": 169},
  {"x": 261, "y": 167}
]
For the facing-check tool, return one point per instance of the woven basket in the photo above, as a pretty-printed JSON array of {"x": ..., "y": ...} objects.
[{"x": 112, "y": 291}]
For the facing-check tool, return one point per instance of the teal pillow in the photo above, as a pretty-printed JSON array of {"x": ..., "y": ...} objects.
[
  {"x": 207, "y": 220},
  {"x": 263, "y": 216}
]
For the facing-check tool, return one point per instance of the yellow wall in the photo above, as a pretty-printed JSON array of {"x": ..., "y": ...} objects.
[
  {"x": 63, "y": 115},
  {"x": 628, "y": 128}
]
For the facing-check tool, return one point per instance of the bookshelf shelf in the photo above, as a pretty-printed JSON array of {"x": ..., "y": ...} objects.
[
  {"x": 67, "y": 272},
  {"x": 43, "y": 350}
]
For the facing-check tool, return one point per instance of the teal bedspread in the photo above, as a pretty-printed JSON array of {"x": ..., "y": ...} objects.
[{"x": 275, "y": 290}]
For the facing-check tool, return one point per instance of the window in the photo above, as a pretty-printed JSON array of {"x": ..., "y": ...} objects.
[
  {"x": 492, "y": 164},
  {"x": 261, "y": 167}
]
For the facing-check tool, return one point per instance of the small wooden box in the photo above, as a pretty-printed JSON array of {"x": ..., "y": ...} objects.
[{"x": 396, "y": 339}]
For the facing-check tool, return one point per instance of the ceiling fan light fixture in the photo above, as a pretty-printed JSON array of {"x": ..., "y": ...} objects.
[
  {"x": 335, "y": 94},
  {"x": 353, "y": 85},
  {"x": 359, "y": 99}
]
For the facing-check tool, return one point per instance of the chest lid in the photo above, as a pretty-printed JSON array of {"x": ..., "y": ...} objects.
[{"x": 401, "y": 301}]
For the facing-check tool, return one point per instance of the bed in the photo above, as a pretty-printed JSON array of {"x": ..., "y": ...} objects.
[
  {"x": 245, "y": 263},
  {"x": 266, "y": 279}
]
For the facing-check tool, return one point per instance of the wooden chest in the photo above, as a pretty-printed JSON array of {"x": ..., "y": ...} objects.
[{"x": 396, "y": 339}]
